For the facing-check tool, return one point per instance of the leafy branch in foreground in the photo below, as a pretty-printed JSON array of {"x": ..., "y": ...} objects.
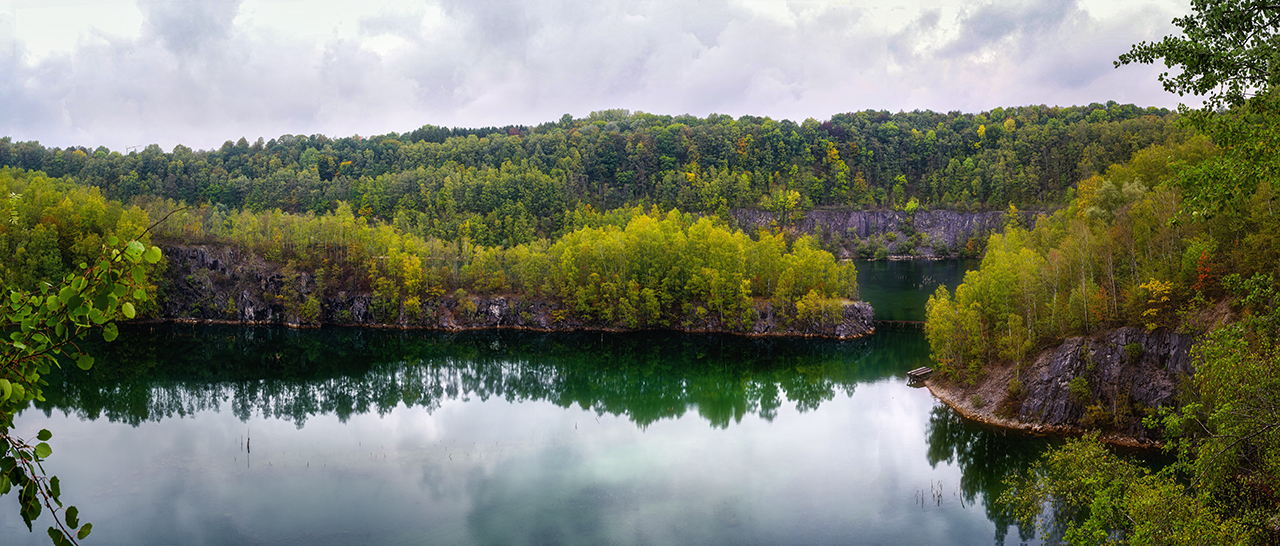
[
  {"x": 1229, "y": 51},
  {"x": 40, "y": 330}
]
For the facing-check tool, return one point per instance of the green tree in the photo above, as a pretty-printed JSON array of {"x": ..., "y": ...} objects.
[
  {"x": 43, "y": 328},
  {"x": 1229, "y": 51}
]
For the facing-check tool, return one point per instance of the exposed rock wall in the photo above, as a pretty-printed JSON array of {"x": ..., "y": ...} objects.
[
  {"x": 1120, "y": 376},
  {"x": 940, "y": 228},
  {"x": 207, "y": 283},
  {"x": 1126, "y": 371}
]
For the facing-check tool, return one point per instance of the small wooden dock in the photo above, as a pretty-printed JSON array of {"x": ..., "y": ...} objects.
[{"x": 919, "y": 374}]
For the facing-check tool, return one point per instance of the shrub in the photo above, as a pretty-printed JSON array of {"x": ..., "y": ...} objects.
[
  {"x": 1079, "y": 389},
  {"x": 1134, "y": 351},
  {"x": 1015, "y": 387},
  {"x": 1095, "y": 416},
  {"x": 310, "y": 311},
  {"x": 464, "y": 302},
  {"x": 413, "y": 309}
]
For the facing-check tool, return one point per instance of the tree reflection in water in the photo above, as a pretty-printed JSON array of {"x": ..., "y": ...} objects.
[
  {"x": 985, "y": 457},
  {"x": 178, "y": 370}
]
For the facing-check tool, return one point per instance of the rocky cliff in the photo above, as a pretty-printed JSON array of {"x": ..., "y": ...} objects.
[
  {"x": 225, "y": 284},
  {"x": 1108, "y": 381},
  {"x": 934, "y": 233}
]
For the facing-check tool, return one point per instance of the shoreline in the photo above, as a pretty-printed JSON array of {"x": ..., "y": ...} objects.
[
  {"x": 960, "y": 399},
  {"x": 456, "y": 328}
]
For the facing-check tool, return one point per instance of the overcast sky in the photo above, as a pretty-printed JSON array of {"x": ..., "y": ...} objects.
[{"x": 199, "y": 72}]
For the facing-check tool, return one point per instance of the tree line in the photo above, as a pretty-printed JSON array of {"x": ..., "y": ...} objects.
[
  {"x": 632, "y": 267},
  {"x": 512, "y": 184}
]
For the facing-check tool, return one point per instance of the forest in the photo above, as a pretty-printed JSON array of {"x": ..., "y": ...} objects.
[
  {"x": 510, "y": 185},
  {"x": 438, "y": 212},
  {"x": 1181, "y": 236}
]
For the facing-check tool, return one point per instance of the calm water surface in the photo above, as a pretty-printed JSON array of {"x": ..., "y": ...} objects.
[{"x": 228, "y": 435}]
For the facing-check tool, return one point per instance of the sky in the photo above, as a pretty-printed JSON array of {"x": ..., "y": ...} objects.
[{"x": 121, "y": 73}]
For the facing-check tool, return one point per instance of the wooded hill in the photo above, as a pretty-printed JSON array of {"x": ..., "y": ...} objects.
[{"x": 511, "y": 185}]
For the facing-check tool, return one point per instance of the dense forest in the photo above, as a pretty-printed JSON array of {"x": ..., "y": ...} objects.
[
  {"x": 624, "y": 216},
  {"x": 630, "y": 267},
  {"x": 1182, "y": 236},
  {"x": 511, "y": 185}
]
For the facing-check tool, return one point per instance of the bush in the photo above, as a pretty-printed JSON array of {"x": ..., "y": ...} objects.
[
  {"x": 1015, "y": 387},
  {"x": 940, "y": 248},
  {"x": 413, "y": 309},
  {"x": 1134, "y": 351},
  {"x": 464, "y": 302},
  {"x": 1095, "y": 416},
  {"x": 1079, "y": 388},
  {"x": 310, "y": 311}
]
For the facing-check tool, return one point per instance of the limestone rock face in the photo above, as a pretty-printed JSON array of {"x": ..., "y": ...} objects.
[
  {"x": 1125, "y": 372},
  {"x": 948, "y": 228}
]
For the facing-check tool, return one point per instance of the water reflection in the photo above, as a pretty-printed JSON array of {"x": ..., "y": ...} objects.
[
  {"x": 899, "y": 289},
  {"x": 514, "y": 438},
  {"x": 985, "y": 457},
  {"x": 389, "y": 437},
  {"x": 178, "y": 370}
]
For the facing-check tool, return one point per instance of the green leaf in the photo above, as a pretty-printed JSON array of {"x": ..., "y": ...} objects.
[
  {"x": 55, "y": 489},
  {"x": 139, "y": 274},
  {"x": 43, "y": 450},
  {"x": 5, "y": 389},
  {"x": 73, "y": 517},
  {"x": 84, "y": 362},
  {"x": 110, "y": 332},
  {"x": 152, "y": 255},
  {"x": 96, "y": 316},
  {"x": 133, "y": 249},
  {"x": 127, "y": 309},
  {"x": 84, "y": 531},
  {"x": 140, "y": 295},
  {"x": 113, "y": 240},
  {"x": 19, "y": 393},
  {"x": 44, "y": 435}
]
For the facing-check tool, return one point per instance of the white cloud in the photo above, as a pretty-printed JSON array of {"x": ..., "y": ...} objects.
[{"x": 201, "y": 72}]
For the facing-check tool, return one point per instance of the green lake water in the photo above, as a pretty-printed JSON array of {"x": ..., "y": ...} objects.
[{"x": 232, "y": 435}]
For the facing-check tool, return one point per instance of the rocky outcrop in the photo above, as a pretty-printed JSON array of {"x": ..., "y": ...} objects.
[
  {"x": 933, "y": 233},
  {"x": 1118, "y": 376},
  {"x": 224, "y": 284},
  {"x": 1108, "y": 381}
]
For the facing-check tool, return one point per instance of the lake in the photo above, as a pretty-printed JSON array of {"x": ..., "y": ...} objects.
[{"x": 187, "y": 434}]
